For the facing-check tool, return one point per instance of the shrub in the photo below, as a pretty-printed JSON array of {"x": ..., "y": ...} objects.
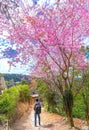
[
  {"x": 78, "y": 110},
  {"x": 52, "y": 101},
  {"x": 3, "y": 119},
  {"x": 24, "y": 93},
  {"x": 9, "y": 100}
]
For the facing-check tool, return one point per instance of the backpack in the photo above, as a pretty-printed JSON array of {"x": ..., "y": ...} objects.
[{"x": 38, "y": 108}]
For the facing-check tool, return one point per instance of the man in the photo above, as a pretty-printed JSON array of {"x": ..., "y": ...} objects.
[{"x": 37, "y": 109}]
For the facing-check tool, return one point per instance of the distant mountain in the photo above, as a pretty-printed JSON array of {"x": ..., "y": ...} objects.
[{"x": 15, "y": 77}]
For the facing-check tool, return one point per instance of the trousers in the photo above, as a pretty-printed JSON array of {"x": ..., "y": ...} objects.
[{"x": 37, "y": 115}]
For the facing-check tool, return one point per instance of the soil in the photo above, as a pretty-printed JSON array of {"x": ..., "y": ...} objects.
[{"x": 49, "y": 121}]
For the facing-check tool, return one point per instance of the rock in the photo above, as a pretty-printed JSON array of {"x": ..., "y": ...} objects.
[
  {"x": 73, "y": 128},
  {"x": 84, "y": 122},
  {"x": 63, "y": 118},
  {"x": 85, "y": 128}
]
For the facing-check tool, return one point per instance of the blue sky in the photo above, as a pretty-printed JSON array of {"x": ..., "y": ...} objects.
[
  {"x": 6, "y": 51},
  {"x": 19, "y": 69},
  {"x": 4, "y": 66}
]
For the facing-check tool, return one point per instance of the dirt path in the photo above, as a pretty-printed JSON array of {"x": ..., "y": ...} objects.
[
  {"x": 48, "y": 122},
  {"x": 27, "y": 123}
]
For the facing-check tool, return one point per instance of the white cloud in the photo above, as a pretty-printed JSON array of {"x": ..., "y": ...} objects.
[
  {"x": 86, "y": 41},
  {"x": 5, "y": 68}
]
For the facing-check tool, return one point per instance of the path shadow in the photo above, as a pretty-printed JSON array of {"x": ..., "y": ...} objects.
[{"x": 47, "y": 126}]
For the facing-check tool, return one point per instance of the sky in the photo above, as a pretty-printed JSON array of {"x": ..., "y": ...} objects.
[
  {"x": 20, "y": 69},
  {"x": 4, "y": 66}
]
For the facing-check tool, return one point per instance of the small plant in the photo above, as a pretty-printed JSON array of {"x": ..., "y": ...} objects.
[{"x": 3, "y": 119}]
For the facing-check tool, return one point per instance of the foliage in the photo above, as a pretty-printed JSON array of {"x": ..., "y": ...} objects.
[
  {"x": 10, "y": 98},
  {"x": 78, "y": 109},
  {"x": 57, "y": 106},
  {"x": 15, "y": 77},
  {"x": 24, "y": 92},
  {"x": 52, "y": 102},
  {"x": 8, "y": 101},
  {"x": 1, "y": 75},
  {"x": 54, "y": 38},
  {"x": 23, "y": 82},
  {"x": 55, "y": 33},
  {"x": 3, "y": 119},
  {"x": 41, "y": 88},
  {"x": 85, "y": 94}
]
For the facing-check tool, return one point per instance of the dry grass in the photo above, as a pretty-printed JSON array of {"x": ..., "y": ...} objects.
[{"x": 59, "y": 122}]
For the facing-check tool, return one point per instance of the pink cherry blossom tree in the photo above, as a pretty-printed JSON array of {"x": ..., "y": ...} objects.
[{"x": 53, "y": 36}]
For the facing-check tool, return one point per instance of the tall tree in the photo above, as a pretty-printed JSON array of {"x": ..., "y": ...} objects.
[{"x": 53, "y": 36}]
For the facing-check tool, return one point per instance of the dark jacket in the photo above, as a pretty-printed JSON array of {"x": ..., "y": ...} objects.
[{"x": 37, "y": 108}]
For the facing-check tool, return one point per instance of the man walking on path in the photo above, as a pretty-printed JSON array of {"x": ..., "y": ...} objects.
[{"x": 37, "y": 110}]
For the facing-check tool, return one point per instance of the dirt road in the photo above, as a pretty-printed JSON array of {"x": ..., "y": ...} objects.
[{"x": 49, "y": 121}]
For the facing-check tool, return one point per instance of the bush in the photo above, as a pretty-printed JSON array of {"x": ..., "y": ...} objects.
[
  {"x": 3, "y": 119},
  {"x": 24, "y": 93},
  {"x": 10, "y": 98},
  {"x": 52, "y": 101},
  {"x": 78, "y": 110},
  {"x": 8, "y": 101}
]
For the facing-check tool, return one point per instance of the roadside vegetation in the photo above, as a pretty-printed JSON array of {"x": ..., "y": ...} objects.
[
  {"x": 9, "y": 100},
  {"x": 54, "y": 102}
]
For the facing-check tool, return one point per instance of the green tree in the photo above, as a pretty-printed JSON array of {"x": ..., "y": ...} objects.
[{"x": 85, "y": 94}]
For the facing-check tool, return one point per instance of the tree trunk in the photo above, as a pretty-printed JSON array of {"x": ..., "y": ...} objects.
[
  {"x": 70, "y": 120},
  {"x": 68, "y": 105}
]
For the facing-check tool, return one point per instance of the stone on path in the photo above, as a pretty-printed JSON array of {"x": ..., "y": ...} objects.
[{"x": 85, "y": 128}]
